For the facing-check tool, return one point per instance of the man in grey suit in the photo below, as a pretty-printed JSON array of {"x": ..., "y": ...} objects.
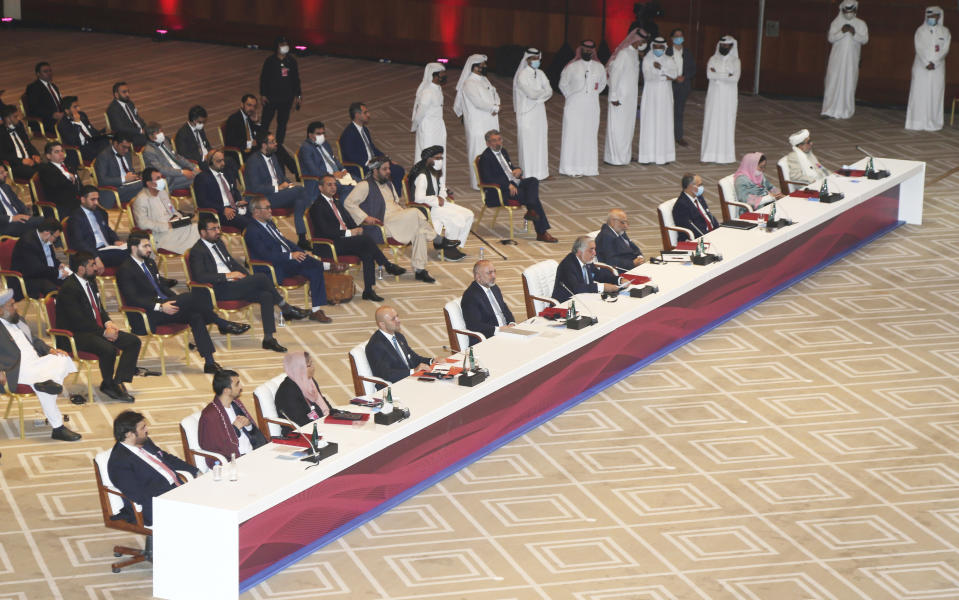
[
  {"x": 123, "y": 115},
  {"x": 179, "y": 172},
  {"x": 114, "y": 168},
  {"x": 26, "y": 360}
]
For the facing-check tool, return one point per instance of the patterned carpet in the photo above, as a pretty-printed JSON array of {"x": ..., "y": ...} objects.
[{"x": 805, "y": 449}]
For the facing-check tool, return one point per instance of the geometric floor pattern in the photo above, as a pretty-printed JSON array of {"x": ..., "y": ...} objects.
[{"x": 805, "y": 449}]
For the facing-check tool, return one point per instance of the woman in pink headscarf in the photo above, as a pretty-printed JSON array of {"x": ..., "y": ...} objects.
[
  {"x": 752, "y": 186},
  {"x": 299, "y": 398}
]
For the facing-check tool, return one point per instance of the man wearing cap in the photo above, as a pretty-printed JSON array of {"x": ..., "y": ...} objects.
[
  {"x": 803, "y": 165},
  {"x": 531, "y": 90},
  {"x": 847, "y": 34},
  {"x": 26, "y": 360},
  {"x": 656, "y": 134},
  {"x": 928, "y": 87},
  {"x": 581, "y": 82},
  {"x": 477, "y": 102},
  {"x": 429, "y": 188}
]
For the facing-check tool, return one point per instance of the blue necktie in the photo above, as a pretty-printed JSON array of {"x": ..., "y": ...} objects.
[
  {"x": 153, "y": 280},
  {"x": 586, "y": 275},
  {"x": 276, "y": 233}
]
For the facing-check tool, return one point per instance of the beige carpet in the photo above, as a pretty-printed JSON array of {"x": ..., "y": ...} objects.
[{"x": 803, "y": 450}]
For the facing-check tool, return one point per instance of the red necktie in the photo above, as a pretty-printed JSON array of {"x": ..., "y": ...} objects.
[
  {"x": 702, "y": 211},
  {"x": 225, "y": 189},
  {"x": 338, "y": 217},
  {"x": 93, "y": 303},
  {"x": 162, "y": 465},
  {"x": 56, "y": 100}
]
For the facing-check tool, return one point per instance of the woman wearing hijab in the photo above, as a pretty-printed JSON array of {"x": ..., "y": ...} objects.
[
  {"x": 722, "y": 103},
  {"x": 928, "y": 89},
  {"x": 428, "y": 110},
  {"x": 531, "y": 90},
  {"x": 279, "y": 91},
  {"x": 623, "y": 72},
  {"x": 298, "y": 398},
  {"x": 752, "y": 186}
]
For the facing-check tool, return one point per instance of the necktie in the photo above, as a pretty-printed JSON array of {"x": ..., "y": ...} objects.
[
  {"x": 269, "y": 165},
  {"x": 123, "y": 165},
  {"x": 153, "y": 280},
  {"x": 337, "y": 213},
  {"x": 249, "y": 131},
  {"x": 131, "y": 116},
  {"x": 219, "y": 253},
  {"x": 162, "y": 465},
  {"x": 6, "y": 203},
  {"x": 18, "y": 143},
  {"x": 586, "y": 275},
  {"x": 502, "y": 162},
  {"x": 93, "y": 303},
  {"x": 225, "y": 189},
  {"x": 367, "y": 142},
  {"x": 271, "y": 227},
  {"x": 65, "y": 172},
  {"x": 400, "y": 352},
  {"x": 330, "y": 163},
  {"x": 702, "y": 211},
  {"x": 169, "y": 156},
  {"x": 199, "y": 142},
  {"x": 55, "y": 95},
  {"x": 82, "y": 132},
  {"x": 500, "y": 317}
]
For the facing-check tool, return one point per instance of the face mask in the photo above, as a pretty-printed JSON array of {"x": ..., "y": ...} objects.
[
  {"x": 724, "y": 50},
  {"x": 483, "y": 71},
  {"x": 199, "y": 126},
  {"x": 319, "y": 139},
  {"x": 931, "y": 21},
  {"x": 700, "y": 190},
  {"x": 678, "y": 41},
  {"x": 161, "y": 184},
  {"x": 160, "y": 138},
  {"x": 587, "y": 56},
  {"x": 658, "y": 51},
  {"x": 441, "y": 79},
  {"x": 438, "y": 164},
  {"x": 849, "y": 15},
  {"x": 284, "y": 49},
  {"x": 534, "y": 63}
]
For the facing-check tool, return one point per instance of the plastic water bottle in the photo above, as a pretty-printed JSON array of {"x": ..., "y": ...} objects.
[
  {"x": 281, "y": 322},
  {"x": 38, "y": 419},
  {"x": 233, "y": 471},
  {"x": 525, "y": 225},
  {"x": 217, "y": 471},
  {"x": 379, "y": 272}
]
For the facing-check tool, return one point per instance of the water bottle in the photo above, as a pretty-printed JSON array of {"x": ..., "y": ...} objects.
[
  {"x": 379, "y": 272},
  {"x": 233, "y": 472},
  {"x": 481, "y": 253},
  {"x": 388, "y": 403},
  {"x": 525, "y": 225},
  {"x": 217, "y": 471},
  {"x": 281, "y": 322},
  {"x": 38, "y": 419},
  {"x": 472, "y": 361}
]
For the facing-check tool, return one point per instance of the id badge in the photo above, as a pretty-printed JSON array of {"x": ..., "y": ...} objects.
[
  {"x": 313, "y": 416},
  {"x": 284, "y": 72}
]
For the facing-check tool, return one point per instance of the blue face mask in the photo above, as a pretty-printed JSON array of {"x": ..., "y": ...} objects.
[
  {"x": 534, "y": 63},
  {"x": 700, "y": 190},
  {"x": 658, "y": 51},
  {"x": 678, "y": 41},
  {"x": 931, "y": 22}
]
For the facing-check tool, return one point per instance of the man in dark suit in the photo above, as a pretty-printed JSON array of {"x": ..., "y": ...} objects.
[
  {"x": 690, "y": 210},
  {"x": 15, "y": 146},
  {"x": 576, "y": 273},
  {"x": 265, "y": 242},
  {"x": 496, "y": 168},
  {"x": 81, "y": 312},
  {"x": 215, "y": 188},
  {"x": 76, "y": 130},
  {"x": 265, "y": 175},
  {"x": 88, "y": 230},
  {"x": 114, "y": 169},
  {"x": 242, "y": 127},
  {"x": 35, "y": 259},
  {"x": 357, "y": 145},
  {"x": 58, "y": 181},
  {"x": 317, "y": 159},
  {"x": 15, "y": 219},
  {"x": 43, "y": 97},
  {"x": 211, "y": 262},
  {"x": 483, "y": 307},
  {"x": 226, "y": 426},
  {"x": 332, "y": 222},
  {"x": 141, "y": 286},
  {"x": 123, "y": 115},
  {"x": 139, "y": 469},
  {"x": 614, "y": 247},
  {"x": 191, "y": 141},
  {"x": 389, "y": 355},
  {"x": 683, "y": 84}
]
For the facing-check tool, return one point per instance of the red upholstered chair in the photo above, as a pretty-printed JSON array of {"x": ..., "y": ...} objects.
[
  {"x": 286, "y": 286},
  {"x": 137, "y": 323},
  {"x": 47, "y": 208},
  {"x": 87, "y": 361},
  {"x": 15, "y": 278},
  {"x": 225, "y": 308}
]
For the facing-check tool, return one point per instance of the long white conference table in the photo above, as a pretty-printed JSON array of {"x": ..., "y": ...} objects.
[{"x": 215, "y": 539}]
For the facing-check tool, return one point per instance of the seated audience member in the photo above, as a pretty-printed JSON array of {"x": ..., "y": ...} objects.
[
  {"x": 15, "y": 219},
  {"x": 139, "y": 469},
  {"x": 483, "y": 307},
  {"x": 317, "y": 159},
  {"x": 59, "y": 182},
  {"x": 389, "y": 355},
  {"x": 803, "y": 165},
  {"x": 331, "y": 221},
  {"x": 242, "y": 128},
  {"x": 265, "y": 175},
  {"x": 80, "y": 311},
  {"x": 141, "y": 286},
  {"x": 43, "y": 99},
  {"x": 178, "y": 171},
  {"x": 77, "y": 131},
  {"x": 191, "y": 141},
  {"x": 226, "y": 426},
  {"x": 113, "y": 168},
  {"x": 35, "y": 259},
  {"x": 752, "y": 185},
  {"x": 265, "y": 242},
  {"x": 374, "y": 201},
  {"x": 216, "y": 189},
  {"x": 496, "y": 168},
  {"x": 123, "y": 116},
  {"x": 357, "y": 145},
  {"x": 27, "y": 360},
  {"x": 16, "y": 149},
  {"x": 690, "y": 210},
  {"x": 299, "y": 398},
  {"x": 153, "y": 210},
  {"x": 613, "y": 246},
  {"x": 211, "y": 262},
  {"x": 429, "y": 188},
  {"x": 577, "y": 273},
  {"x": 88, "y": 230}
]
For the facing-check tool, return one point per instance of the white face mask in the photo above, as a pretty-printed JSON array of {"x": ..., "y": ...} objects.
[
  {"x": 284, "y": 49},
  {"x": 161, "y": 184},
  {"x": 319, "y": 139},
  {"x": 199, "y": 126},
  {"x": 534, "y": 63},
  {"x": 160, "y": 138},
  {"x": 438, "y": 164}
]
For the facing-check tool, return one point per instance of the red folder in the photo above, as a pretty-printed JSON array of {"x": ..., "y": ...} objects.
[
  {"x": 552, "y": 312},
  {"x": 691, "y": 246},
  {"x": 334, "y": 421},
  {"x": 851, "y": 172},
  {"x": 802, "y": 194},
  {"x": 751, "y": 216},
  {"x": 298, "y": 441},
  {"x": 635, "y": 279}
]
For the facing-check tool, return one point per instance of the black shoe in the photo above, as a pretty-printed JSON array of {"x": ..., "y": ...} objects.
[
  {"x": 78, "y": 399},
  {"x": 142, "y": 372},
  {"x": 446, "y": 243},
  {"x": 304, "y": 244},
  {"x": 212, "y": 367},
  {"x": 272, "y": 344},
  {"x": 167, "y": 282},
  {"x": 48, "y": 387},
  {"x": 394, "y": 269},
  {"x": 371, "y": 295},
  {"x": 292, "y": 313},
  {"x": 113, "y": 391},
  {"x": 234, "y": 328},
  {"x": 453, "y": 254},
  {"x": 123, "y": 388},
  {"x": 62, "y": 433},
  {"x": 424, "y": 275}
]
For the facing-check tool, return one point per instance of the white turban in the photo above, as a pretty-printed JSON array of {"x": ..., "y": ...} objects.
[
  {"x": 799, "y": 137},
  {"x": 5, "y": 296}
]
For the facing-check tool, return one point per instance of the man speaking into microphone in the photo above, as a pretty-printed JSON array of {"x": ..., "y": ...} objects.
[{"x": 578, "y": 274}]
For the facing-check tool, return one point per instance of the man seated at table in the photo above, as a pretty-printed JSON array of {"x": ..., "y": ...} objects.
[
  {"x": 139, "y": 469},
  {"x": 577, "y": 273},
  {"x": 226, "y": 426},
  {"x": 613, "y": 246},
  {"x": 690, "y": 210},
  {"x": 216, "y": 189},
  {"x": 34, "y": 257},
  {"x": 804, "y": 167},
  {"x": 15, "y": 219},
  {"x": 389, "y": 355},
  {"x": 483, "y": 307},
  {"x": 265, "y": 175},
  {"x": 88, "y": 230}
]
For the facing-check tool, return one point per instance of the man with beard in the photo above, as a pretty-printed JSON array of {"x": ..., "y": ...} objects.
[
  {"x": 265, "y": 176},
  {"x": 582, "y": 81}
]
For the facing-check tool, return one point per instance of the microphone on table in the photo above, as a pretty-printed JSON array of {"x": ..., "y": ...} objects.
[
  {"x": 592, "y": 316},
  {"x": 295, "y": 428},
  {"x": 693, "y": 225}
]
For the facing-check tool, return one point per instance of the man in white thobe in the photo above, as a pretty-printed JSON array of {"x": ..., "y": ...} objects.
[
  {"x": 531, "y": 90},
  {"x": 927, "y": 92},
  {"x": 582, "y": 80},
  {"x": 623, "y": 98},
  {"x": 847, "y": 34},
  {"x": 477, "y": 101},
  {"x": 657, "y": 142},
  {"x": 803, "y": 165},
  {"x": 428, "y": 110},
  {"x": 722, "y": 103},
  {"x": 429, "y": 188}
]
